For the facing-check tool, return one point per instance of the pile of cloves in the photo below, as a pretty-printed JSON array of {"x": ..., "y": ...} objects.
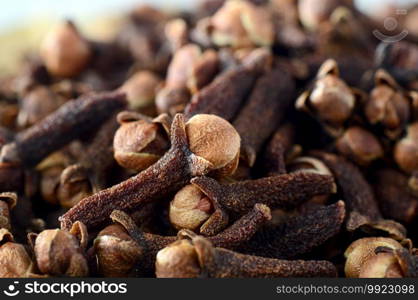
[{"x": 243, "y": 139}]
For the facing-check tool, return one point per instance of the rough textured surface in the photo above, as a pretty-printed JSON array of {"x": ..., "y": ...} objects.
[
  {"x": 395, "y": 202},
  {"x": 273, "y": 161},
  {"x": 224, "y": 95},
  {"x": 69, "y": 122},
  {"x": 270, "y": 98},
  {"x": 282, "y": 191},
  {"x": 299, "y": 234},
  {"x": 168, "y": 175}
]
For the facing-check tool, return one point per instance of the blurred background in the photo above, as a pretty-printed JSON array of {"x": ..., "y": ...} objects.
[{"x": 24, "y": 22}]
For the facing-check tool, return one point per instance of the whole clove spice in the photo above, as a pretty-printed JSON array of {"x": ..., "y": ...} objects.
[
  {"x": 298, "y": 234},
  {"x": 205, "y": 143},
  {"x": 395, "y": 201},
  {"x": 282, "y": 191},
  {"x": 224, "y": 95},
  {"x": 7, "y": 203},
  {"x": 88, "y": 176},
  {"x": 198, "y": 257},
  {"x": 362, "y": 207},
  {"x": 277, "y": 149},
  {"x": 150, "y": 138},
  {"x": 270, "y": 98},
  {"x": 330, "y": 100},
  {"x": 359, "y": 145},
  {"x": 235, "y": 235},
  {"x": 70, "y": 121},
  {"x": 363, "y": 250},
  {"x": 59, "y": 252}
]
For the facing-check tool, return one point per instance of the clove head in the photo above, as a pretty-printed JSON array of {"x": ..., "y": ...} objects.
[
  {"x": 406, "y": 150},
  {"x": 216, "y": 140},
  {"x": 178, "y": 260},
  {"x": 116, "y": 252},
  {"x": 37, "y": 104},
  {"x": 362, "y": 250},
  {"x": 382, "y": 265},
  {"x": 359, "y": 145},
  {"x": 330, "y": 100},
  {"x": 14, "y": 261},
  {"x": 190, "y": 208},
  {"x": 58, "y": 253},
  {"x": 64, "y": 51}
]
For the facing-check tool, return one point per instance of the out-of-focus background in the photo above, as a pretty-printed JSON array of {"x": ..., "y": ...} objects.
[{"x": 24, "y": 22}]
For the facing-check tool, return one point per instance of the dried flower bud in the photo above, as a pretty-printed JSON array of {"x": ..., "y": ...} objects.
[
  {"x": 406, "y": 150},
  {"x": 174, "y": 96},
  {"x": 139, "y": 143},
  {"x": 58, "y": 252},
  {"x": 181, "y": 64},
  {"x": 330, "y": 100},
  {"x": 241, "y": 24},
  {"x": 37, "y": 104},
  {"x": 50, "y": 170},
  {"x": 189, "y": 208},
  {"x": 7, "y": 202},
  {"x": 203, "y": 130},
  {"x": 313, "y": 165},
  {"x": 359, "y": 145},
  {"x": 140, "y": 90},
  {"x": 362, "y": 250},
  {"x": 64, "y": 51},
  {"x": 178, "y": 260},
  {"x": 176, "y": 33},
  {"x": 14, "y": 261},
  {"x": 387, "y": 105},
  {"x": 116, "y": 252},
  {"x": 381, "y": 265},
  {"x": 312, "y": 13},
  {"x": 172, "y": 100}
]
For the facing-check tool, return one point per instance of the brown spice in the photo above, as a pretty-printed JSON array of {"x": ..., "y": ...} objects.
[
  {"x": 216, "y": 262},
  {"x": 188, "y": 156},
  {"x": 58, "y": 129}
]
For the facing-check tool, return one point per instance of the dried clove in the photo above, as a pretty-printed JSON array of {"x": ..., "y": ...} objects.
[
  {"x": 298, "y": 234},
  {"x": 242, "y": 24},
  {"x": 88, "y": 176},
  {"x": 59, "y": 252},
  {"x": 275, "y": 153},
  {"x": 270, "y": 97},
  {"x": 405, "y": 150},
  {"x": 14, "y": 259},
  {"x": 116, "y": 252},
  {"x": 283, "y": 191},
  {"x": 36, "y": 105},
  {"x": 140, "y": 90},
  {"x": 205, "y": 143},
  {"x": 395, "y": 202},
  {"x": 359, "y": 145},
  {"x": 362, "y": 207},
  {"x": 235, "y": 235},
  {"x": 387, "y": 105},
  {"x": 65, "y": 52},
  {"x": 7, "y": 202},
  {"x": 227, "y": 91},
  {"x": 198, "y": 257},
  {"x": 360, "y": 252},
  {"x": 149, "y": 136},
  {"x": 67, "y": 123},
  {"x": 330, "y": 100}
]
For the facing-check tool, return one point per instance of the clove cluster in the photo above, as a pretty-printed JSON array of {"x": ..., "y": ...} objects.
[{"x": 244, "y": 139}]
